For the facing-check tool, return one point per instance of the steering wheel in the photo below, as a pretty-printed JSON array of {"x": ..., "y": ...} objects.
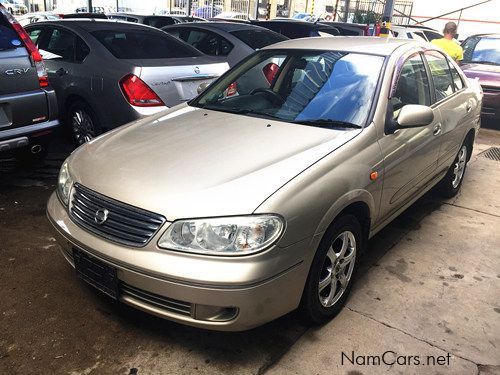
[{"x": 273, "y": 95}]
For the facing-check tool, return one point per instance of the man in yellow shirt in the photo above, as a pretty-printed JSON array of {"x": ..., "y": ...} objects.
[{"x": 448, "y": 44}]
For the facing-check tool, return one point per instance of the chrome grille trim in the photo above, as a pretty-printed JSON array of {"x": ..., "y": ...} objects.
[
  {"x": 126, "y": 224},
  {"x": 164, "y": 303}
]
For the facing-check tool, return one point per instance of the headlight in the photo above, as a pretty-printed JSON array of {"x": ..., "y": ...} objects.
[
  {"x": 64, "y": 183},
  {"x": 239, "y": 235}
]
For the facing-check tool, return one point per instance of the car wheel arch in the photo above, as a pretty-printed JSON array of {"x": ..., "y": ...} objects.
[{"x": 359, "y": 203}]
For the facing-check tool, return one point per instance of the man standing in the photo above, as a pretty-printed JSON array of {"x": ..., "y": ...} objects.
[{"x": 448, "y": 44}]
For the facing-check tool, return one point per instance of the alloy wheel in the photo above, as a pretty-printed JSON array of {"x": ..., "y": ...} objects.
[
  {"x": 83, "y": 126},
  {"x": 459, "y": 168},
  {"x": 337, "y": 269}
]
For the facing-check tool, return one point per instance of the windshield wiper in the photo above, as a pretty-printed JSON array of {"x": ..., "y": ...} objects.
[
  {"x": 325, "y": 123},
  {"x": 242, "y": 111}
]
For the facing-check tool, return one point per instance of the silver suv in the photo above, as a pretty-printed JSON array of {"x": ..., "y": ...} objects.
[
  {"x": 28, "y": 106},
  {"x": 259, "y": 195}
]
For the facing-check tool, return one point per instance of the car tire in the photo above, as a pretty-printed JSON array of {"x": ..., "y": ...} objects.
[
  {"x": 82, "y": 122},
  {"x": 326, "y": 290},
  {"x": 450, "y": 185}
]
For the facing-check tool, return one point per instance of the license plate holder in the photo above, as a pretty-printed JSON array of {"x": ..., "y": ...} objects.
[{"x": 96, "y": 273}]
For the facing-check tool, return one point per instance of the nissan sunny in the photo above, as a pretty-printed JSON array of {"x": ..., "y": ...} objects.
[{"x": 258, "y": 196}]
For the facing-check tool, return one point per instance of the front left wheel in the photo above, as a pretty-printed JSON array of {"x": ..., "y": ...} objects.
[{"x": 332, "y": 271}]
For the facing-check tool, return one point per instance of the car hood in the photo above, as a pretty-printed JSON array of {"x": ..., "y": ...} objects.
[
  {"x": 488, "y": 75},
  {"x": 189, "y": 162}
]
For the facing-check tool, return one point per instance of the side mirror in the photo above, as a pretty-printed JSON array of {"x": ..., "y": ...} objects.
[{"x": 415, "y": 115}]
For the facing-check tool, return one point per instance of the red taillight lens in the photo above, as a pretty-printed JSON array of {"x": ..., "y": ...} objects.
[
  {"x": 270, "y": 71},
  {"x": 232, "y": 89},
  {"x": 36, "y": 58},
  {"x": 138, "y": 93}
]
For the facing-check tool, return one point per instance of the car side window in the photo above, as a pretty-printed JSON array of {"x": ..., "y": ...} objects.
[
  {"x": 441, "y": 74},
  {"x": 81, "y": 51},
  {"x": 413, "y": 85},
  {"x": 58, "y": 45},
  {"x": 34, "y": 34},
  {"x": 431, "y": 35},
  {"x": 457, "y": 79},
  {"x": 207, "y": 42}
]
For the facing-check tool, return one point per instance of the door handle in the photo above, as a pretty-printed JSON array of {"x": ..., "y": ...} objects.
[
  {"x": 61, "y": 71},
  {"x": 437, "y": 129},
  {"x": 469, "y": 107}
]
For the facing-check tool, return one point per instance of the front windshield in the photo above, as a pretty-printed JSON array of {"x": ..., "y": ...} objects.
[
  {"x": 302, "y": 86},
  {"x": 482, "y": 50}
]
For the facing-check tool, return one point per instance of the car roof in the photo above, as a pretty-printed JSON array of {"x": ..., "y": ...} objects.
[
  {"x": 224, "y": 26},
  {"x": 491, "y": 35},
  {"x": 90, "y": 24},
  {"x": 365, "y": 44}
]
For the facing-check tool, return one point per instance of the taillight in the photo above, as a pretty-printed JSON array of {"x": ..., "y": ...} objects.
[
  {"x": 270, "y": 71},
  {"x": 138, "y": 93},
  {"x": 232, "y": 89},
  {"x": 36, "y": 58}
]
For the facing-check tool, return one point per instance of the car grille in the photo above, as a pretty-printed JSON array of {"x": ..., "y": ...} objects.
[
  {"x": 164, "y": 303},
  {"x": 491, "y": 89},
  {"x": 125, "y": 224}
]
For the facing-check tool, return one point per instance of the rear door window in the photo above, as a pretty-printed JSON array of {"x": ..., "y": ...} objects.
[
  {"x": 62, "y": 45},
  {"x": 158, "y": 22},
  {"x": 58, "y": 44},
  {"x": 441, "y": 75},
  {"x": 431, "y": 35},
  {"x": 257, "y": 39},
  {"x": 143, "y": 44},
  {"x": 208, "y": 42},
  {"x": 34, "y": 34}
]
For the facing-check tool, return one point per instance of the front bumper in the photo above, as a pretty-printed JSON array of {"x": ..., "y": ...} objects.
[
  {"x": 250, "y": 290},
  {"x": 491, "y": 103}
]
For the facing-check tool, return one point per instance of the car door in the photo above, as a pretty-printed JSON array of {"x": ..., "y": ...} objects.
[
  {"x": 410, "y": 154},
  {"x": 63, "y": 53},
  {"x": 453, "y": 100}
]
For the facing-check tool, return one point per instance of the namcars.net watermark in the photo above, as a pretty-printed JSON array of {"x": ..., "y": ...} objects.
[{"x": 391, "y": 358}]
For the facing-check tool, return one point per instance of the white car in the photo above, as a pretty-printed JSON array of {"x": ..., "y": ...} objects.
[
  {"x": 233, "y": 16},
  {"x": 418, "y": 33},
  {"x": 14, "y": 7}
]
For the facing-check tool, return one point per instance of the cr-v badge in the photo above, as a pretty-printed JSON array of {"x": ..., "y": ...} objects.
[{"x": 11, "y": 72}]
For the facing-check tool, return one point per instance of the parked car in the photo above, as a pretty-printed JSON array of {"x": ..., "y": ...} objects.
[
  {"x": 14, "y": 7},
  {"x": 28, "y": 106},
  {"x": 81, "y": 15},
  {"x": 37, "y": 17},
  {"x": 349, "y": 29},
  {"x": 240, "y": 209},
  {"x": 107, "y": 73},
  {"x": 482, "y": 61},
  {"x": 207, "y": 11},
  {"x": 154, "y": 21},
  {"x": 229, "y": 42},
  {"x": 294, "y": 29},
  {"x": 231, "y": 16},
  {"x": 101, "y": 10},
  {"x": 414, "y": 32},
  {"x": 183, "y": 19}
]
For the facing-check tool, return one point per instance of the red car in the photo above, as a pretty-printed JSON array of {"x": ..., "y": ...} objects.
[{"x": 482, "y": 61}]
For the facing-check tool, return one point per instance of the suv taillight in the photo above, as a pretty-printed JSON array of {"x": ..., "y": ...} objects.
[
  {"x": 138, "y": 93},
  {"x": 36, "y": 58}
]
